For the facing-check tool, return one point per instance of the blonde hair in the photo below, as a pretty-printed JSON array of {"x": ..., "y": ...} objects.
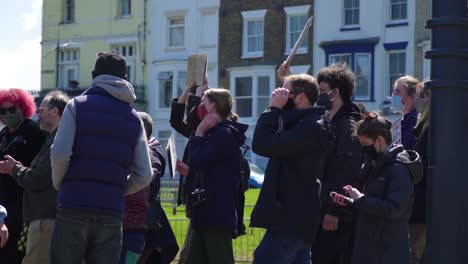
[
  {"x": 223, "y": 102},
  {"x": 424, "y": 116},
  {"x": 410, "y": 83}
]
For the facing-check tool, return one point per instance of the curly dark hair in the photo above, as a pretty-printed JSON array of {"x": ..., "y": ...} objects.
[{"x": 338, "y": 76}]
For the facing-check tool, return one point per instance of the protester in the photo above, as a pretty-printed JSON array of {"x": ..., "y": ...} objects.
[
  {"x": 343, "y": 166},
  {"x": 39, "y": 196},
  {"x": 186, "y": 105},
  {"x": 418, "y": 217},
  {"x": 160, "y": 243},
  {"x": 21, "y": 138},
  {"x": 3, "y": 227},
  {"x": 100, "y": 153},
  {"x": 384, "y": 207},
  {"x": 289, "y": 134},
  {"x": 404, "y": 93},
  {"x": 214, "y": 163}
]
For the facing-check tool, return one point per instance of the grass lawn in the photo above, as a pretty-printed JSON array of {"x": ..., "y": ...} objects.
[{"x": 243, "y": 246}]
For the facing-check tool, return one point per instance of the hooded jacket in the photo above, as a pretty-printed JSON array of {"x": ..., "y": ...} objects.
[
  {"x": 384, "y": 211},
  {"x": 216, "y": 157},
  {"x": 100, "y": 151},
  {"x": 343, "y": 165},
  {"x": 289, "y": 201}
]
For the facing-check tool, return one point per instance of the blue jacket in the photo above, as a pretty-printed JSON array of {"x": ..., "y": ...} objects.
[
  {"x": 216, "y": 159},
  {"x": 106, "y": 134}
]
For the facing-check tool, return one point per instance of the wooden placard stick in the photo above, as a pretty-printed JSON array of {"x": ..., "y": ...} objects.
[{"x": 299, "y": 41}]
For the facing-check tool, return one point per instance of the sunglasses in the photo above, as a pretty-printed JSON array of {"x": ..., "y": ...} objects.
[
  {"x": 11, "y": 110},
  {"x": 40, "y": 109}
]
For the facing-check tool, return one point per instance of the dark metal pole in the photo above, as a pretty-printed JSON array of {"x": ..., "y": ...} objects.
[
  {"x": 447, "y": 205},
  {"x": 57, "y": 51}
]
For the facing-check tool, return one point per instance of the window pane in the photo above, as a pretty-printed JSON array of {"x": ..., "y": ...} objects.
[
  {"x": 180, "y": 83},
  {"x": 165, "y": 93},
  {"x": 244, "y": 86},
  {"x": 294, "y": 23},
  {"x": 176, "y": 36},
  {"x": 347, "y": 4},
  {"x": 259, "y": 43},
  {"x": 263, "y": 85},
  {"x": 251, "y": 28},
  {"x": 348, "y": 17},
  {"x": 251, "y": 42},
  {"x": 129, "y": 74},
  {"x": 403, "y": 11},
  {"x": 262, "y": 104},
  {"x": 130, "y": 50},
  {"x": 395, "y": 12},
  {"x": 244, "y": 107},
  {"x": 259, "y": 28},
  {"x": 124, "y": 51},
  {"x": 178, "y": 21},
  {"x": 362, "y": 70},
  {"x": 402, "y": 63},
  {"x": 356, "y": 4},
  {"x": 356, "y": 17}
]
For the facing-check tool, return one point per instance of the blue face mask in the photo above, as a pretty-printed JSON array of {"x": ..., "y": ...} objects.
[{"x": 397, "y": 106}]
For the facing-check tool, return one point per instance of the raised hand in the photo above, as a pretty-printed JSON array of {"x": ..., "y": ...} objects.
[{"x": 279, "y": 97}]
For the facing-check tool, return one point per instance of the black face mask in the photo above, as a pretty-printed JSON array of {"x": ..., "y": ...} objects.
[
  {"x": 289, "y": 105},
  {"x": 370, "y": 151},
  {"x": 324, "y": 100}
]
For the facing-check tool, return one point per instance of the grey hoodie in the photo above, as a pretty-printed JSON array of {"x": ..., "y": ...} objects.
[
  {"x": 62, "y": 149},
  {"x": 3, "y": 214}
]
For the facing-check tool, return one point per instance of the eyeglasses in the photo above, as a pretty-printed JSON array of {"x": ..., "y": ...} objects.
[
  {"x": 40, "y": 109},
  {"x": 11, "y": 110}
]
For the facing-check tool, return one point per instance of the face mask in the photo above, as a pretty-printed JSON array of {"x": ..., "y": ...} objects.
[
  {"x": 396, "y": 103},
  {"x": 12, "y": 120},
  {"x": 326, "y": 100},
  {"x": 202, "y": 112},
  {"x": 289, "y": 105},
  {"x": 370, "y": 151},
  {"x": 420, "y": 105}
]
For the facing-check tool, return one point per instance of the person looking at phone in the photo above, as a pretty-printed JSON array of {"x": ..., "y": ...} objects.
[{"x": 385, "y": 204}]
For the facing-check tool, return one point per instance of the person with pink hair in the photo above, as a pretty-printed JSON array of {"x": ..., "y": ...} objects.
[{"x": 21, "y": 138}]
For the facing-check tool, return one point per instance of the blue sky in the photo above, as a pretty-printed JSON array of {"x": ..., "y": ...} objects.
[{"x": 20, "y": 49}]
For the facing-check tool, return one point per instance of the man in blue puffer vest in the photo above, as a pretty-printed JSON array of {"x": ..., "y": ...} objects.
[{"x": 99, "y": 155}]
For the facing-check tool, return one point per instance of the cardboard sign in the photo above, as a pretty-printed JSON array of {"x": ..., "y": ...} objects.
[
  {"x": 196, "y": 69},
  {"x": 172, "y": 155},
  {"x": 396, "y": 127}
]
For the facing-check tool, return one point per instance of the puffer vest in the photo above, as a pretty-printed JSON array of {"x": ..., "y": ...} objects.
[{"x": 107, "y": 131}]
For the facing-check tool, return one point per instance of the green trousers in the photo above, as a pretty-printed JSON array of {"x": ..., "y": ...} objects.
[{"x": 210, "y": 247}]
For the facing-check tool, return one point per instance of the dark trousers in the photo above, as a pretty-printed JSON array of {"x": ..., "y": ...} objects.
[
  {"x": 277, "y": 248},
  {"x": 210, "y": 247},
  {"x": 333, "y": 247},
  {"x": 91, "y": 236}
]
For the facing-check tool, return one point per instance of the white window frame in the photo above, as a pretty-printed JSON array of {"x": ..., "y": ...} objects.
[
  {"x": 175, "y": 16},
  {"x": 291, "y": 11},
  {"x": 66, "y": 64},
  {"x": 254, "y": 73},
  {"x": 390, "y": 4},
  {"x": 130, "y": 59},
  {"x": 369, "y": 55},
  {"x": 340, "y": 55},
  {"x": 176, "y": 74},
  {"x": 250, "y": 16},
  {"x": 390, "y": 85},
  {"x": 353, "y": 10}
]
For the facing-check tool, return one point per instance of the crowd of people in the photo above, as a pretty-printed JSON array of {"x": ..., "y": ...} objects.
[{"x": 82, "y": 185}]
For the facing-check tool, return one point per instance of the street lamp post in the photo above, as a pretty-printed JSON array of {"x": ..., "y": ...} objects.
[{"x": 447, "y": 204}]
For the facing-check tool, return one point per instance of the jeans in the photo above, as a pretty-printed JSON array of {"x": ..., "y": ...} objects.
[
  {"x": 276, "y": 248},
  {"x": 91, "y": 236}
]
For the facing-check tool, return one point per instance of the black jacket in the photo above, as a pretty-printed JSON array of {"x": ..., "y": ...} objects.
[
  {"x": 29, "y": 141},
  {"x": 289, "y": 200},
  {"x": 343, "y": 165},
  {"x": 421, "y": 146},
  {"x": 383, "y": 212},
  {"x": 187, "y": 129}
]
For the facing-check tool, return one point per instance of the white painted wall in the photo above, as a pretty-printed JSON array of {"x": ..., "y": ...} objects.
[
  {"x": 374, "y": 15},
  {"x": 201, "y": 37}
]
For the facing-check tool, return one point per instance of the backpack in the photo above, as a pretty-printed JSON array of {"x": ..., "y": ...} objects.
[{"x": 244, "y": 186}]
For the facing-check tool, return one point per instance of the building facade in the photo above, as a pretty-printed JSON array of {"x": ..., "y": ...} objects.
[
  {"x": 73, "y": 32},
  {"x": 255, "y": 37},
  {"x": 179, "y": 28},
  {"x": 380, "y": 40}
]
